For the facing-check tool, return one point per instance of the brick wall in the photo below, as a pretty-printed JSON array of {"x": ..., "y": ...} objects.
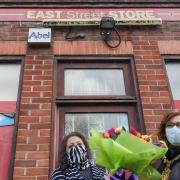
[
  {"x": 33, "y": 137},
  {"x": 153, "y": 86},
  {"x": 35, "y": 116}
]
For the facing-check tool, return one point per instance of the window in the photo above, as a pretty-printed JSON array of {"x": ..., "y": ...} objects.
[
  {"x": 97, "y": 82},
  {"x": 94, "y": 92},
  {"x": 9, "y": 81},
  {"x": 172, "y": 64},
  {"x": 10, "y": 68},
  {"x": 84, "y": 122},
  {"x": 173, "y": 73}
]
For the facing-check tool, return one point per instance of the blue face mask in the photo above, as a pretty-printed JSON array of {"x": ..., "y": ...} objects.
[{"x": 173, "y": 135}]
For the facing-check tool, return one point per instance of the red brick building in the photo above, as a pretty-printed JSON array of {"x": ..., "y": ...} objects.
[{"x": 78, "y": 82}]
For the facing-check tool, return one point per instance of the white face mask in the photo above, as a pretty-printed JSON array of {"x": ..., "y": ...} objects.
[{"x": 173, "y": 135}]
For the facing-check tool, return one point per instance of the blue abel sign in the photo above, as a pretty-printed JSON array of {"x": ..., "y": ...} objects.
[{"x": 40, "y": 36}]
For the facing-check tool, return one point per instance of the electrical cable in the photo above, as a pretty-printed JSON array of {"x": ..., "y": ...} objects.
[{"x": 106, "y": 34}]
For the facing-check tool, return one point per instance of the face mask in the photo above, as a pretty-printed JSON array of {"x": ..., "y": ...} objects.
[
  {"x": 173, "y": 135},
  {"x": 78, "y": 158}
]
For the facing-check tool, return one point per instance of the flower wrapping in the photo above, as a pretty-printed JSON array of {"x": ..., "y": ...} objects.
[{"x": 128, "y": 152}]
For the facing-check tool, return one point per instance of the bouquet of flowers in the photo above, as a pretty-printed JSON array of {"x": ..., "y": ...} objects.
[{"x": 117, "y": 149}]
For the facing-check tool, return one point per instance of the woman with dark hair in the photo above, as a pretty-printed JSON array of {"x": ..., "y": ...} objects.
[
  {"x": 169, "y": 132},
  {"x": 75, "y": 163}
]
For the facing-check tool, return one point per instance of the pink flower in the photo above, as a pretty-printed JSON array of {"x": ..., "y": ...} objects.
[{"x": 111, "y": 131}]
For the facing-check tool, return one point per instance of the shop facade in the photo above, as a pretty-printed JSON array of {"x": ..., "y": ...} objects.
[{"x": 58, "y": 75}]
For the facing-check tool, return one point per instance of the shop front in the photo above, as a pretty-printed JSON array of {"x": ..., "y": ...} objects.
[{"x": 74, "y": 69}]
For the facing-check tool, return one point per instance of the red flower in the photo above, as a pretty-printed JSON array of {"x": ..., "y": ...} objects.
[{"x": 133, "y": 131}]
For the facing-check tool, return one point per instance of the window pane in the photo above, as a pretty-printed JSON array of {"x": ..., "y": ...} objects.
[
  {"x": 173, "y": 71},
  {"x": 9, "y": 81},
  {"x": 83, "y": 82},
  {"x": 84, "y": 122}
]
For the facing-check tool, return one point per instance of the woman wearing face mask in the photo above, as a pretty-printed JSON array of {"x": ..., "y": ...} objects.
[
  {"x": 75, "y": 163},
  {"x": 170, "y": 133}
]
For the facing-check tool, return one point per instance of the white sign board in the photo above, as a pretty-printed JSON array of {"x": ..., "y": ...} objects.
[
  {"x": 40, "y": 36},
  {"x": 96, "y": 22}
]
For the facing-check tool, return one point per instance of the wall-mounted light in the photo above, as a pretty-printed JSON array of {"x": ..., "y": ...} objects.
[{"x": 107, "y": 26}]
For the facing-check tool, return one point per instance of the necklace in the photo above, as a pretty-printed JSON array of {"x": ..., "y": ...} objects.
[{"x": 167, "y": 170}]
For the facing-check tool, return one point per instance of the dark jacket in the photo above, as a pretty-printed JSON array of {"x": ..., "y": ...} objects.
[
  {"x": 175, "y": 167},
  {"x": 74, "y": 174}
]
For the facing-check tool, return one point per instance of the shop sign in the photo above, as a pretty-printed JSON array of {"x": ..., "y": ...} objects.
[
  {"x": 62, "y": 14},
  {"x": 39, "y": 36}
]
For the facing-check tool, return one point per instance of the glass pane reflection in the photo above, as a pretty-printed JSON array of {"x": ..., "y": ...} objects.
[
  {"x": 173, "y": 75},
  {"x": 84, "y": 122},
  {"x": 9, "y": 81},
  {"x": 81, "y": 82}
]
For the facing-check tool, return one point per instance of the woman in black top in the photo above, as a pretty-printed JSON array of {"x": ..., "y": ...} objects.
[
  {"x": 75, "y": 161},
  {"x": 169, "y": 131}
]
